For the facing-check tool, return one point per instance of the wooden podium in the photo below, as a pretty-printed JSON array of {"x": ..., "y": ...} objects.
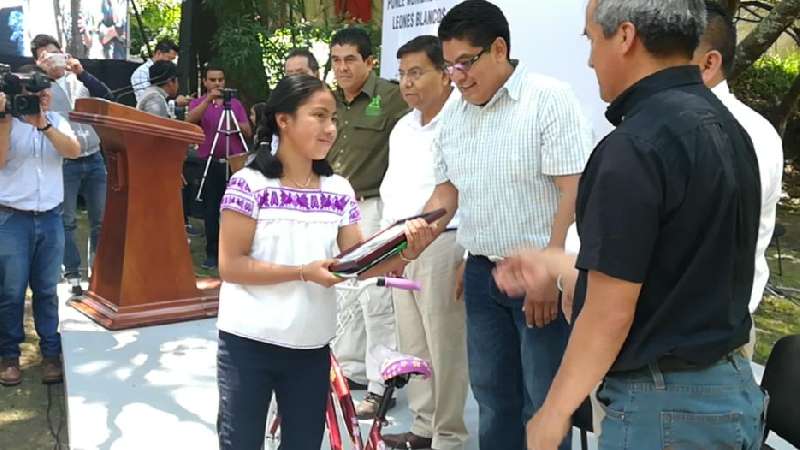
[{"x": 142, "y": 273}]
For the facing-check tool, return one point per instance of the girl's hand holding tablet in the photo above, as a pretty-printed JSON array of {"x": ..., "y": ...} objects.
[{"x": 319, "y": 272}]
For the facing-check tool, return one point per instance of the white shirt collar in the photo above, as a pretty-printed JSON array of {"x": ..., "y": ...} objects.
[{"x": 722, "y": 89}]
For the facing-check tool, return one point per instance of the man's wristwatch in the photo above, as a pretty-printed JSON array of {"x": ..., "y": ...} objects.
[{"x": 45, "y": 128}]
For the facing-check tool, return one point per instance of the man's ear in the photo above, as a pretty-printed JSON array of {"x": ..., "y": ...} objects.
[
  {"x": 499, "y": 49},
  {"x": 711, "y": 66},
  {"x": 626, "y": 36}
]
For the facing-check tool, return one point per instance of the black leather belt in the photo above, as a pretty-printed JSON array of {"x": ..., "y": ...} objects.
[
  {"x": 671, "y": 363},
  {"x": 80, "y": 158},
  {"x": 9, "y": 209}
]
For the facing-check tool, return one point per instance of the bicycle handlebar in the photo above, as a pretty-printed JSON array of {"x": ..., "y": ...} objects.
[
  {"x": 399, "y": 283},
  {"x": 353, "y": 284}
]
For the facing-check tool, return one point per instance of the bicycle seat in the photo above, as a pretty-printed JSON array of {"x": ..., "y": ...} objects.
[{"x": 398, "y": 364}]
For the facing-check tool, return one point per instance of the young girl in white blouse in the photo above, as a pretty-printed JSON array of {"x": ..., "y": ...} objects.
[{"x": 284, "y": 217}]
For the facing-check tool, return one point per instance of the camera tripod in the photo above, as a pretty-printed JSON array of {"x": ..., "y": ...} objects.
[{"x": 226, "y": 118}]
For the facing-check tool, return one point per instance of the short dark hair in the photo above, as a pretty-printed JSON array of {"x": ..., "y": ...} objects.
[
  {"x": 312, "y": 61},
  {"x": 355, "y": 36},
  {"x": 162, "y": 72},
  {"x": 166, "y": 46},
  {"x": 211, "y": 67},
  {"x": 289, "y": 95},
  {"x": 720, "y": 34},
  {"x": 476, "y": 21},
  {"x": 42, "y": 41},
  {"x": 430, "y": 45}
]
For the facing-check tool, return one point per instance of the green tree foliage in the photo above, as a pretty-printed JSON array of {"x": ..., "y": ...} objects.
[
  {"x": 160, "y": 19},
  {"x": 254, "y": 37}
]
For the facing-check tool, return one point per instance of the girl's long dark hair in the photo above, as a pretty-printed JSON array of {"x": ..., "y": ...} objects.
[{"x": 290, "y": 93}]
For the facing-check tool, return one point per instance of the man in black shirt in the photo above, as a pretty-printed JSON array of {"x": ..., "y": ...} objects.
[{"x": 667, "y": 212}]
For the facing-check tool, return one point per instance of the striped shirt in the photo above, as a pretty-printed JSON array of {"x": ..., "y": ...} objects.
[
  {"x": 502, "y": 158},
  {"x": 140, "y": 79}
]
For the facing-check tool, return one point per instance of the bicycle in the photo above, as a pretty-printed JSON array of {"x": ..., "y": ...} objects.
[{"x": 396, "y": 371}]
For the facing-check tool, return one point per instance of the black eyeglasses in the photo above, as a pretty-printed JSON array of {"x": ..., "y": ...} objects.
[{"x": 465, "y": 66}]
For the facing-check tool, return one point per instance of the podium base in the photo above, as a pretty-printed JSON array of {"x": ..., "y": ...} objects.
[{"x": 114, "y": 317}]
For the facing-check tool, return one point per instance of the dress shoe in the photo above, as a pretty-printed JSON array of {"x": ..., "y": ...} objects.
[
  {"x": 10, "y": 373},
  {"x": 406, "y": 441},
  {"x": 52, "y": 370}
]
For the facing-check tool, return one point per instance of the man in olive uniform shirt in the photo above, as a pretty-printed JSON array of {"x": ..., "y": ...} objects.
[{"x": 368, "y": 108}]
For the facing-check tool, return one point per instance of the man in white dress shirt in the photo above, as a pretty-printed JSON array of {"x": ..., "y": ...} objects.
[
  {"x": 715, "y": 56},
  {"x": 430, "y": 323}
]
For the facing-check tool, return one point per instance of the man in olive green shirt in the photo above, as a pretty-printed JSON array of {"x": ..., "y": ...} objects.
[{"x": 368, "y": 108}]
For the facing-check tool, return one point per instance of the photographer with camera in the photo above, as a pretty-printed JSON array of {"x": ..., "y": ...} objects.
[
  {"x": 225, "y": 139},
  {"x": 86, "y": 175},
  {"x": 33, "y": 144}
]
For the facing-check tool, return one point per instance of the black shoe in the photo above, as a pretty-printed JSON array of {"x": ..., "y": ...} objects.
[
  {"x": 209, "y": 263},
  {"x": 75, "y": 286},
  {"x": 356, "y": 386}
]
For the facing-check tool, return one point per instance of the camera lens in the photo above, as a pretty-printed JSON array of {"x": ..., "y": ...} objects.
[{"x": 21, "y": 103}]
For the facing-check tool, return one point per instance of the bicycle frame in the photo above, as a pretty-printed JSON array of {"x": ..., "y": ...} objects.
[{"x": 340, "y": 390}]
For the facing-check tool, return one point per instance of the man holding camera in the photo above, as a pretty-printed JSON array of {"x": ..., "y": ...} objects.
[
  {"x": 85, "y": 175},
  {"x": 206, "y": 111},
  {"x": 33, "y": 145}
]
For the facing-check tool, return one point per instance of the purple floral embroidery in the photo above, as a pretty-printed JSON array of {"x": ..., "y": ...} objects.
[
  {"x": 286, "y": 199},
  {"x": 355, "y": 212},
  {"x": 307, "y": 201},
  {"x": 239, "y": 184},
  {"x": 238, "y": 204}
]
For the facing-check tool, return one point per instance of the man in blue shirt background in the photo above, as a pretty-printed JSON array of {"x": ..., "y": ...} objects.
[{"x": 32, "y": 149}]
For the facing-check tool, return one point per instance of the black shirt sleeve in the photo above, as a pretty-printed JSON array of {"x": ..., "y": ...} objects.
[{"x": 618, "y": 209}]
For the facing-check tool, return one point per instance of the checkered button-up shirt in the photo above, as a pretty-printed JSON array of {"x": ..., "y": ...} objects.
[
  {"x": 503, "y": 157},
  {"x": 140, "y": 79}
]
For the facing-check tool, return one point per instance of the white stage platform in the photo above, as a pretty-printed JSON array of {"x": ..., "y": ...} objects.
[{"x": 155, "y": 388}]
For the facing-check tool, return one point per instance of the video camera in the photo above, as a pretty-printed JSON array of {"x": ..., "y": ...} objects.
[
  {"x": 228, "y": 94},
  {"x": 12, "y": 84}
]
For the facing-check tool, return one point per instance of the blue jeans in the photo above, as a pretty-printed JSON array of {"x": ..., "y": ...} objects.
[
  {"x": 249, "y": 371},
  {"x": 511, "y": 366},
  {"x": 85, "y": 176},
  {"x": 717, "y": 407},
  {"x": 31, "y": 249}
]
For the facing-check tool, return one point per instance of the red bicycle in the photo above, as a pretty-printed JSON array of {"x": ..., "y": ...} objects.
[{"x": 396, "y": 370}]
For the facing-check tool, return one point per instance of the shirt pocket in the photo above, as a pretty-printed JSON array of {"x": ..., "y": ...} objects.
[{"x": 370, "y": 124}]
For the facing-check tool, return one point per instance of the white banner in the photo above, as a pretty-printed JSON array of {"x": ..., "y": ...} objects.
[{"x": 546, "y": 35}]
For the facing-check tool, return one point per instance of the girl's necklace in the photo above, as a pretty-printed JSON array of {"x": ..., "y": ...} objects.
[{"x": 301, "y": 185}]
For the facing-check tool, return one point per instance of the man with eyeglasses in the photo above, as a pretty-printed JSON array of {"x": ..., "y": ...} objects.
[
  {"x": 430, "y": 323},
  {"x": 509, "y": 155},
  {"x": 368, "y": 108}
]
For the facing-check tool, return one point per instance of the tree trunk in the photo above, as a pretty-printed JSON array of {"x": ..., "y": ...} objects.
[
  {"x": 76, "y": 47},
  {"x": 764, "y": 35},
  {"x": 788, "y": 106}
]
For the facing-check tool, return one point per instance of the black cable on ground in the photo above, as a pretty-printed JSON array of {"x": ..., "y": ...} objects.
[{"x": 55, "y": 432}]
